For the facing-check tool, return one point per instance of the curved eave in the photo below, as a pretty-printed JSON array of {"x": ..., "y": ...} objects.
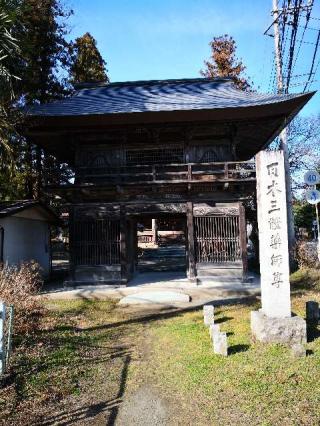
[
  {"x": 269, "y": 119},
  {"x": 283, "y": 107}
]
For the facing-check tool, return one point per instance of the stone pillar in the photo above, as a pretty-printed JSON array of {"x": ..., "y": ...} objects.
[
  {"x": 220, "y": 343},
  {"x": 208, "y": 315},
  {"x": 273, "y": 235},
  {"x": 214, "y": 329},
  {"x": 273, "y": 323}
]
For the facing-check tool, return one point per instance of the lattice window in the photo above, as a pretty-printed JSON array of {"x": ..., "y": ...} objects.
[
  {"x": 155, "y": 156},
  {"x": 217, "y": 239},
  {"x": 210, "y": 157},
  {"x": 96, "y": 242}
]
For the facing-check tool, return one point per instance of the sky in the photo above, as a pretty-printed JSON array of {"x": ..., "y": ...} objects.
[{"x": 162, "y": 39}]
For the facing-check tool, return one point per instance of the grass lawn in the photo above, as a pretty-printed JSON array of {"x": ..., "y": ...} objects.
[{"x": 91, "y": 356}]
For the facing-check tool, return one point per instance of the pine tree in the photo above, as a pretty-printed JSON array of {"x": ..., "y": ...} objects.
[
  {"x": 9, "y": 116},
  {"x": 88, "y": 65},
  {"x": 224, "y": 63},
  {"x": 41, "y": 33},
  {"x": 41, "y": 29}
]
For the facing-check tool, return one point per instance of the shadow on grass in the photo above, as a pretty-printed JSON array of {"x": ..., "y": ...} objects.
[
  {"x": 87, "y": 413},
  {"x": 169, "y": 312},
  {"x": 223, "y": 319},
  {"x": 237, "y": 349},
  {"x": 73, "y": 347},
  {"x": 313, "y": 331}
]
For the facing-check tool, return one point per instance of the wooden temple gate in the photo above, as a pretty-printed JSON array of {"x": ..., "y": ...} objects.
[
  {"x": 158, "y": 147},
  {"x": 103, "y": 238}
]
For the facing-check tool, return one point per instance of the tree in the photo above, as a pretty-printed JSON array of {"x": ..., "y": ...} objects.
[
  {"x": 304, "y": 214},
  {"x": 304, "y": 149},
  {"x": 41, "y": 32},
  {"x": 88, "y": 65},
  {"x": 9, "y": 49},
  {"x": 45, "y": 60},
  {"x": 9, "y": 116},
  {"x": 41, "y": 62},
  {"x": 224, "y": 63}
]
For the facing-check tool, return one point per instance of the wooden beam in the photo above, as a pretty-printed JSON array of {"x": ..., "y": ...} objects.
[
  {"x": 191, "y": 258},
  {"x": 123, "y": 246},
  {"x": 243, "y": 240}
]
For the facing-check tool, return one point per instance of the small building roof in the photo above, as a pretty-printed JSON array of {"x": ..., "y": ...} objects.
[
  {"x": 10, "y": 208},
  {"x": 156, "y": 96}
]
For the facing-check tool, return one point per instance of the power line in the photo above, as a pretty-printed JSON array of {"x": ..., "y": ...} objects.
[
  {"x": 293, "y": 40},
  {"x": 313, "y": 60},
  {"x": 293, "y": 25}
]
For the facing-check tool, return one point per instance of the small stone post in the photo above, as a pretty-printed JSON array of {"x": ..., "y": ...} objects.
[
  {"x": 208, "y": 315},
  {"x": 214, "y": 329},
  {"x": 220, "y": 343},
  {"x": 312, "y": 311}
]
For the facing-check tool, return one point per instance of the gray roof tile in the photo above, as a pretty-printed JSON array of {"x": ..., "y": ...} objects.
[{"x": 154, "y": 96}]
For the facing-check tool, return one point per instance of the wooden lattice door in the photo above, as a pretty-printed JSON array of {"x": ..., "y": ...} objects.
[
  {"x": 96, "y": 242},
  {"x": 217, "y": 239}
]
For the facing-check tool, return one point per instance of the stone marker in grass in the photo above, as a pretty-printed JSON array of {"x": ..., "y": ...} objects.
[
  {"x": 208, "y": 315},
  {"x": 220, "y": 343},
  {"x": 214, "y": 329},
  {"x": 312, "y": 311}
]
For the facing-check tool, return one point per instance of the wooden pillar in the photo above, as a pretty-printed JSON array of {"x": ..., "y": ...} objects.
[
  {"x": 243, "y": 240},
  {"x": 72, "y": 248},
  {"x": 192, "y": 269},
  {"x": 136, "y": 250},
  {"x": 123, "y": 246},
  {"x": 154, "y": 231}
]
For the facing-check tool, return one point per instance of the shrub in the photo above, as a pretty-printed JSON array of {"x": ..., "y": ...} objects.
[
  {"x": 19, "y": 286},
  {"x": 307, "y": 255}
]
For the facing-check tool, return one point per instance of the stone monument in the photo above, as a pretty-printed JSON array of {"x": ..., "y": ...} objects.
[{"x": 273, "y": 323}]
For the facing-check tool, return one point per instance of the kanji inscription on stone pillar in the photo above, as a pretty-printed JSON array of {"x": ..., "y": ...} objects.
[{"x": 273, "y": 235}]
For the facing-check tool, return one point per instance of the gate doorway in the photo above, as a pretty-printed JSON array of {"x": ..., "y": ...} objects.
[
  {"x": 161, "y": 243},
  {"x": 217, "y": 239}
]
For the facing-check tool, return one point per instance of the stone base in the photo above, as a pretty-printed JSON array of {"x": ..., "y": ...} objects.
[{"x": 287, "y": 331}]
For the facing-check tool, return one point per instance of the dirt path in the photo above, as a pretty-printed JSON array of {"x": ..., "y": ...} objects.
[{"x": 144, "y": 407}]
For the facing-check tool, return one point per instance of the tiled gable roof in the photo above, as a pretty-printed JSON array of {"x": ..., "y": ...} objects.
[{"x": 156, "y": 96}]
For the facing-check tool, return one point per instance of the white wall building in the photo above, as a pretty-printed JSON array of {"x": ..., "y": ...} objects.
[{"x": 25, "y": 233}]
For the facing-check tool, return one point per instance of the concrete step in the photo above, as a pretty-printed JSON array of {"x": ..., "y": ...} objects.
[
  {"x": 225, "y": 281},
  {"x": 220, "y": 272}
]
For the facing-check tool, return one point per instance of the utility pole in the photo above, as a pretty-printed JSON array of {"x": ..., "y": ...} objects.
[{"x": 283, "y": 134}]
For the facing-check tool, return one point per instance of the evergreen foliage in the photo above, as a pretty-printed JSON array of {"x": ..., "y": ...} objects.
[
  {"x": 40, "y": 62},
  {"x": 88, "y": 65},
  {"x": 41, "y": 31},
  {"x": 224, "y": 63}
]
